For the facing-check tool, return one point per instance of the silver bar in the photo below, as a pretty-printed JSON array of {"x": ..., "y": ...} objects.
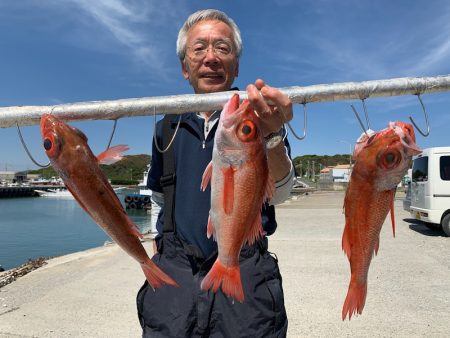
[{"x": 179, "y": 104}]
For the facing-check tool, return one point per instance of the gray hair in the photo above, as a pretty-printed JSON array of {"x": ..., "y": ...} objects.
[{"x": 207, "y": 14}]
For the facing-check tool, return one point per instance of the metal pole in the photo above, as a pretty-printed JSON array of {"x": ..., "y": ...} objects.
[
  {"x": 179, "y": 104},
  {"x": 350, "y": 152}
]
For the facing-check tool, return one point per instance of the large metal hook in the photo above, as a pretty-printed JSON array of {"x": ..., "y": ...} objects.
[
  {"x": 304, "y": 124},
  {"x": 28, "y": 152},
  {"x": 112, "y": 134},
  {"x": 365, "y": 113},
  {"x": 426, "y": 119},
  {"x": 359, "y": 119},
  {"x": 26, "y": 148},
  {"x": 367, "y": 127},
  {"x": 154, "y": 133}
]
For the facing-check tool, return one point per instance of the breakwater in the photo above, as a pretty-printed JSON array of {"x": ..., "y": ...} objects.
[{"x": 25, "y": 191}]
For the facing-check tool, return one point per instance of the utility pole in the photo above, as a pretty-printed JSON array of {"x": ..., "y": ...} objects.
[
  {"x": 350, "y": 151},
  {"x": 313, "y": 171}
]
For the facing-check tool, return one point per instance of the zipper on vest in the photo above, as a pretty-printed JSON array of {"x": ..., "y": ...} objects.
[{"x": 203, "y": 144}]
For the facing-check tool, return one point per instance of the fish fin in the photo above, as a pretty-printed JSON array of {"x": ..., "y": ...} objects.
[
  {"x": 255, "y": 232},
  {"x": 206, "y": 178},
  {"x": 355, "y": 300},
  {"x": 346, "y": 246},
  {"x": 229, "y": 277},
  {"x": 112, "y": 155},
  {"x": 228, "y": 189},
  {"x": 392, "y": 215},
  {"x": 155, "y": 276},
  {"x": 210, "y": 230}
]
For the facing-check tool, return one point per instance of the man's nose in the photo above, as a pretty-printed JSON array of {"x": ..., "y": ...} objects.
[{"x": 210, "y": 56}]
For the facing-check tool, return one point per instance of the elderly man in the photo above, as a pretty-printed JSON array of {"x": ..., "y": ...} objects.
[{"x": 209, "y": 46}]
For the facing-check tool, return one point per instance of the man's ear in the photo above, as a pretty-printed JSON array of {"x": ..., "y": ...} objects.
[{"x": 184, "y": 70}]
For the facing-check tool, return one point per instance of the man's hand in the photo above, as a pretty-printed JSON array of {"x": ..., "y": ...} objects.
[{"x": 272, "y": 116}]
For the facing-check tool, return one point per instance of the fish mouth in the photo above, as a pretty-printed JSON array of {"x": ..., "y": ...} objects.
[
  {"x": 46, "y": 121},
  {"x": 229, "y": 111},
  {"x": 405, "y": 132}
]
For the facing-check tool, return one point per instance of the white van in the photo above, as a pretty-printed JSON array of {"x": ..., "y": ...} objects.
[{"x": 430, "y": 187}]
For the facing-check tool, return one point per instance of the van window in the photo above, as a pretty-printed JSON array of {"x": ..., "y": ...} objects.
[
  {"x": 420, "y": 169},
  {"x": 444, "y": 165}
]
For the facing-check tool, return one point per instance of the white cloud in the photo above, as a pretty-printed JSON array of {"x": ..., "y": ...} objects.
[{"x": 142, "y": 27}]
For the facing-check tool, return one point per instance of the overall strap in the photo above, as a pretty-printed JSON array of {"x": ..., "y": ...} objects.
[
  {"x": 168, "y": 181},
  {"x": 168, "y": 177}
]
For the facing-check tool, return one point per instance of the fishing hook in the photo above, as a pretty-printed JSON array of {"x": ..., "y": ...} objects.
[
  {"x": 304, "y": 126},
  {"x": 365, "y": 113},
  {"x": 112, "y": 134},
  {"x": 154, "y": 133},
  {"x": 359, "y": 119},
  {"x": 27, "y": 151},
  {"x": 426, "y": 119}
]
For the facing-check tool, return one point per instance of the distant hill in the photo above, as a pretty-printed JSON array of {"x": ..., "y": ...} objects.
[{"x": 129, "y": 170}]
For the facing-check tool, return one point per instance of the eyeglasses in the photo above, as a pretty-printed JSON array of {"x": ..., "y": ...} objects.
[{"x": 199, "y": 49}]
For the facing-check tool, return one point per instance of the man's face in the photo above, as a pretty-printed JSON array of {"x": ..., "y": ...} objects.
[{"x": 211, "y": 72}]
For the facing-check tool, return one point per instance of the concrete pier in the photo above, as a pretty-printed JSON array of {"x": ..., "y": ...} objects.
[
  {"x": 25, "y": 191},
  {"x": 92, "y": 293}
]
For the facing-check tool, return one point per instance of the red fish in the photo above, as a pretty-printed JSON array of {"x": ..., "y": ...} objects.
[
  {"x": 240, "y": 182},
  {"x": 71, "y": 157},
  {"x": 382, "y": 160}
]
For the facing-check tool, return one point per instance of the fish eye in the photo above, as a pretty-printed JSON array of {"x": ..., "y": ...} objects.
[
  {"x": 390, "y": 159},
  {"x": 51, "y": 145},
  {"x": 48, "y": 144},
  {"x": 246, "y": 130}
]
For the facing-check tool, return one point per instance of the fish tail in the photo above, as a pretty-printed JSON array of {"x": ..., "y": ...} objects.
[
  {"x": 155, "y": 276},
  {"x": 228, "y": 276},
  {"x": 355, "y": 300}
]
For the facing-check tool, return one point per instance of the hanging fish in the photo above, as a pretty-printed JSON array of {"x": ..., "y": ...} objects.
[
  {"x": 240, "y": 182},
  {"x": 71, "y": 157},
  {"x": 382, "y": 159}
]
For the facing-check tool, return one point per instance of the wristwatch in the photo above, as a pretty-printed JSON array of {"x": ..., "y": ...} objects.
[{"x": 273, "y": 139}]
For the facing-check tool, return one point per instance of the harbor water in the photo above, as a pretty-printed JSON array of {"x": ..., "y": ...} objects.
[{"x": 33, "y": 227}]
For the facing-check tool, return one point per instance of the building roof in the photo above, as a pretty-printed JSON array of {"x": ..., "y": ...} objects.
[{"x": 343, "y": 166}]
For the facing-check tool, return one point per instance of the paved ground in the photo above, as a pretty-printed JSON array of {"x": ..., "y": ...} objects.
[{"x": 92, "y": 293}]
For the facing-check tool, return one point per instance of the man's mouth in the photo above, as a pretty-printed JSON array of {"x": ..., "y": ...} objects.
[{"x": 212, "y": 76}]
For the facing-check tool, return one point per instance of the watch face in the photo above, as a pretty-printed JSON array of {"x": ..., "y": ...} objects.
[{"x": 273, "y": 141}]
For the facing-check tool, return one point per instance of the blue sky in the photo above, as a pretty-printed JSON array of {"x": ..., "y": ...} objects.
[{"x": 61, "y": 51}]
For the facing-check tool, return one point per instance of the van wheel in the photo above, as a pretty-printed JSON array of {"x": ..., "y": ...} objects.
[{"x": 446, "y": 225}]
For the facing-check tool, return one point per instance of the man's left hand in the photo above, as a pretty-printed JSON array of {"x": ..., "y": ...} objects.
[{"x": 273, "y": 116}]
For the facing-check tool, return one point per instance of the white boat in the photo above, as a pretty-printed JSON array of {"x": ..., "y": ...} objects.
[
  {"x": 59, "y": 193},
  {"x": 143, "y": 189}
]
